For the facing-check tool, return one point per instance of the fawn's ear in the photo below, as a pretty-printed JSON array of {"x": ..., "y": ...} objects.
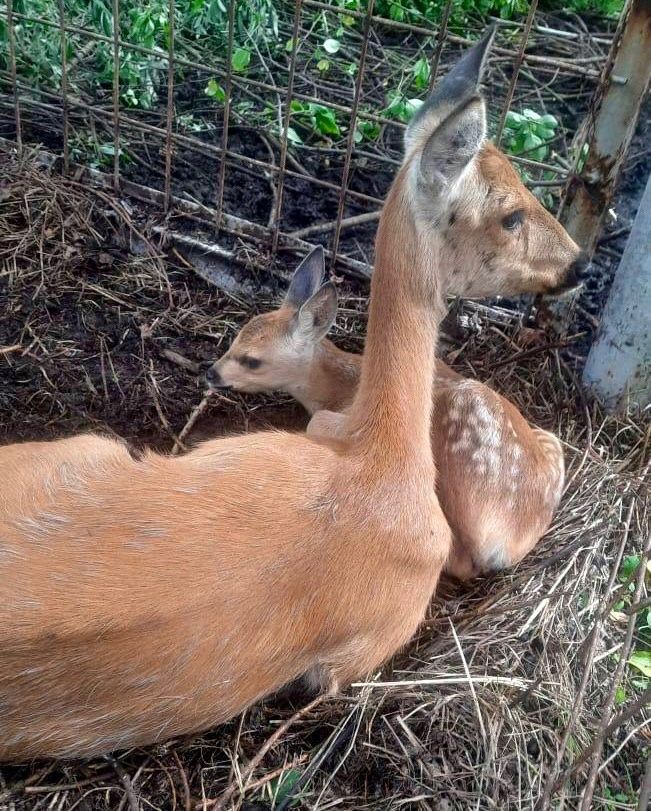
[
  {"x": 318, "y": 314},
  {"x": 307, "y": 278},
  {"x": 455, "y": 91}
]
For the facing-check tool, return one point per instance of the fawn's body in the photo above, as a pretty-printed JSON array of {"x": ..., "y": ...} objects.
[
  {"x": 142, "y": 599},
  {"x": 499, "y": 479}
]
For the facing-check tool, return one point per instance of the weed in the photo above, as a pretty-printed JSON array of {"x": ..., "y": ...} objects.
[
  {"x": 639, "y": 661},
  {"x": 529, "y": 133},
  {"x": 315, "y": 119}
]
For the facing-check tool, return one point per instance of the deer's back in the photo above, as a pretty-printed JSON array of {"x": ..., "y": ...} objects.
[{"x": 141, "y": 599}]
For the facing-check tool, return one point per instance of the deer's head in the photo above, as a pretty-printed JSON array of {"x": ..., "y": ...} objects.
[
  {"x": 491, "y": 235},
  {"x": 273, "y": 351}
]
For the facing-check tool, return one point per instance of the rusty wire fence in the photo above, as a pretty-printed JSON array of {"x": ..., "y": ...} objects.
[{"x": 259, "y": 151}]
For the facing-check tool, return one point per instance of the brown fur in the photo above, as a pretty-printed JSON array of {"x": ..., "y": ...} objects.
[{"x": 143, "y": 599}]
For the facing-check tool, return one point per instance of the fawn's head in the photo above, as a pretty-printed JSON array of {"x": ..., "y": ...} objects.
[
  {"x": 274, "y": 350},
  {"x": 491, "y": 235}
]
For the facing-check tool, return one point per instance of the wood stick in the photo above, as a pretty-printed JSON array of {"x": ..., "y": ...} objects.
[{"x": 194, "y": 416}]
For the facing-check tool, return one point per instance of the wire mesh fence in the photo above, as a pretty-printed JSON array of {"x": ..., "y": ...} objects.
[{"x": 278, "y": 145}]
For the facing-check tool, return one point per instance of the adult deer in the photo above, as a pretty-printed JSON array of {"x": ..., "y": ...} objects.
[
  {"x": 500, "y": 479},
  {"x": 143, "y": 598}
]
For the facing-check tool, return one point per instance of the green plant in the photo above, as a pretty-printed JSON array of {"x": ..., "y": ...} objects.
[
  {"x": 421, "y": 72},
  {"x": 639, "y": 660},
  {"x": 241, "y": 59},
  {"x": 529, "y": 134},
  {"x": 422, "y": 11},
  {"x": 314, "y": 119},
  {"x": 618, "y": 799},
  {"x": 96, "y": 154},
  {"x": 215, "y": 91},
  {"x": 366, "y": 131},
  {"x": 281, "y": 787},
  {"x": 199, "y": 24},
  {"x": 400, "y": 107}
]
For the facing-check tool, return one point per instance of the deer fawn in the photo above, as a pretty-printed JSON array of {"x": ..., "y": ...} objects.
[
  {"x": 143, "y": 598},
  {"x": 501, "y": 479}
]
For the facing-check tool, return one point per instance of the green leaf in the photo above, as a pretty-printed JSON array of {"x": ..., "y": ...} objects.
[
  {"x": 549, "y": 121},
  {"x": 325, "y": 121},
  {"x": 641, "y": 660},
  {"x": 290, "y": 45},
  {"x": 366, "y": 130},
  {"x": 296, "y": 106},
  {"x": 241, "y": 59},
  {"x": 620, "y": 695},
  {"x": 351, "y": 69},
  {"x": 531, "y": 115},
  {"x": 531, "y": 142},
  {"x": 331, "y": 46},
  {"x": 628, "y": 567},
  {"x": 323, "y": 65},
  {"x": 284, "y": 785},
  {"x": 513, "y": 120},
  {"x": 215, "y": 91},
  {"x": 412, "y": 106},
  {"x": 293, "y": 136},
  {"x": 421, "y": 71}
]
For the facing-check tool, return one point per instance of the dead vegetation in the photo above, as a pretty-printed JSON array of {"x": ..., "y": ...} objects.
[{"x": 517, "y": 693}]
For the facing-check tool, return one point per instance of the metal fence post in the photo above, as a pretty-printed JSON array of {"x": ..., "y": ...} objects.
[
  {"x": 618, "y": 369},
  {"x": 610, "y": 127},
  {"x": 589, "y": 194}
]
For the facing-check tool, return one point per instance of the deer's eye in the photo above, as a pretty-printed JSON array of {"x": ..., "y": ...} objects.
[
  {"x": 250, "y": 363},
  {"x": 513, "y": 220}
]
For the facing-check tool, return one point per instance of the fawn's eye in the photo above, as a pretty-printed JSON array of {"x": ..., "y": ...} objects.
[
  {"x": 250, "y": 363},
  {"x": 513, "y": 220}
]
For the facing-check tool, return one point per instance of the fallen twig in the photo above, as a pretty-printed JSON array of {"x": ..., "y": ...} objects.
[
  {"x": 182, "y": 361},
  {"x": 194, "y": 416},
  {"x": 347, "y": 222}
]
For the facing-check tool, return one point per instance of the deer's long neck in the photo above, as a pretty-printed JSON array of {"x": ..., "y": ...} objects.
[{"x": 391, "y": 412}]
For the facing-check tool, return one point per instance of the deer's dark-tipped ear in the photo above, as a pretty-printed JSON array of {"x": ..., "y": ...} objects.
[
  {"x": 452, "y": 146},
  {"x": 307, "y": 278},
  {"x": 455, "y": 90},
  {"x": 318, "y": 314}
]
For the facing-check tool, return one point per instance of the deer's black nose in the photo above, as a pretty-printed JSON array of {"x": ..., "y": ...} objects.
[
  {"x": 214, "y": 379},
  {"x": 578, "y": 271}
]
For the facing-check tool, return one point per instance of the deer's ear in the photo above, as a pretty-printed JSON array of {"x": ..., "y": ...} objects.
[
  {"x": 456, "y": 89},
  {"x": 452, "y": 146},
  {"x": 318, "y": 314},
  {"x": 307, "y": 278}
]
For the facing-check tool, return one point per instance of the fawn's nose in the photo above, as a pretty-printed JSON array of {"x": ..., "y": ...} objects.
[{"x": 214, "y": 378}]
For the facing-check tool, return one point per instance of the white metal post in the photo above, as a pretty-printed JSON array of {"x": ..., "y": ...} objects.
[{"x": 618, "y": 369}]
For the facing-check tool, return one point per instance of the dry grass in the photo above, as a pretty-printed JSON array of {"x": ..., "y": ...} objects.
[{"x": 509, "y": 683}]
